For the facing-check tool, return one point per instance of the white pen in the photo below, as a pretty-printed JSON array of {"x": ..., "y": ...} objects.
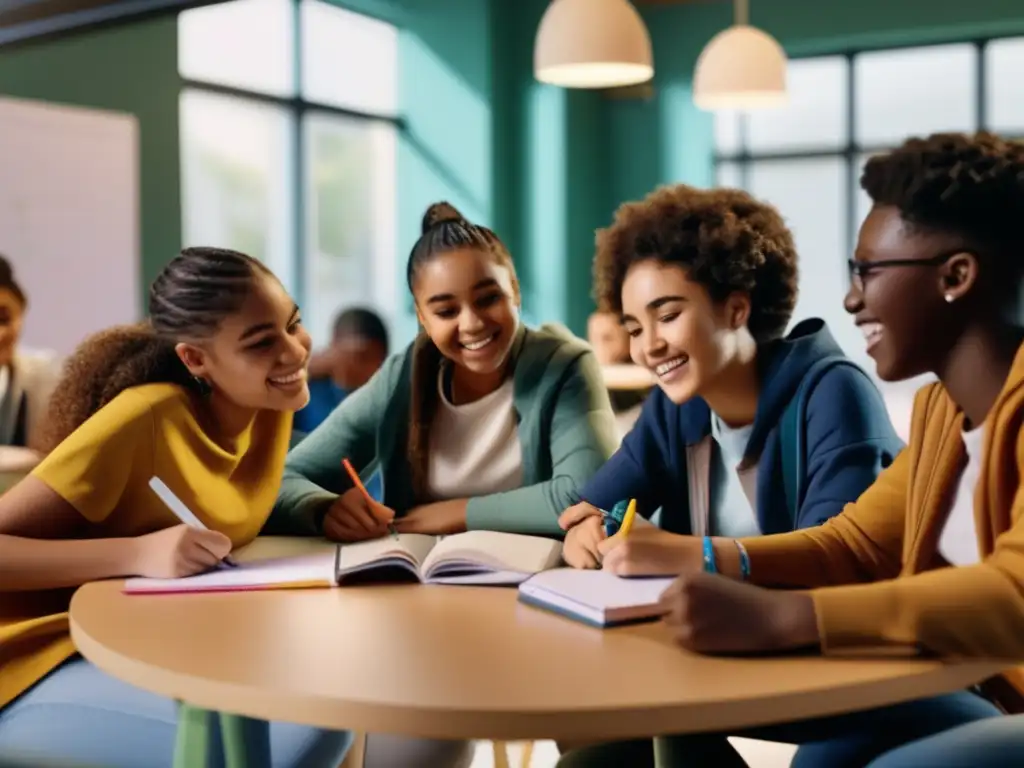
[{"x": 183, "y": 513}]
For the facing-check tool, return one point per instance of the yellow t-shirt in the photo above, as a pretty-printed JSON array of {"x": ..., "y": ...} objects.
[{"x": 103, "y": 470}]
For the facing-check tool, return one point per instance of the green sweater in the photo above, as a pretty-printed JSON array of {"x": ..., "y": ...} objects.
[{"x": 565, "y": 424}]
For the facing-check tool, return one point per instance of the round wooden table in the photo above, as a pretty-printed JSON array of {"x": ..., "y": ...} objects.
[{"x": 463, "y": 662}]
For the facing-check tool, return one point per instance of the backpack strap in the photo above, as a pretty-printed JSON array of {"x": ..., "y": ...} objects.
[{"x": 793, "y": 432}]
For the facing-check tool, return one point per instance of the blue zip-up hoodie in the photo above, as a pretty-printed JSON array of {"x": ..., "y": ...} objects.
[{"x": 849, "y": 440}]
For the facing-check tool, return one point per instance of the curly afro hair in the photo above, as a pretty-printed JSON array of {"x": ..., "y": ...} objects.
[
  {"x": 101, "y": 367},
  {"x": 970, "y": 186},
  {"x": 726, "y": 240}
]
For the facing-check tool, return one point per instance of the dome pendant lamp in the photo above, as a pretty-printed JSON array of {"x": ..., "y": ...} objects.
[
  {"x": 592, "y": 44},
  {"x": 741, "y": 68}
]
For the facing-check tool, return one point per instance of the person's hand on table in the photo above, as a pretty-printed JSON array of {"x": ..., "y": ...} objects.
[
  {"x": 710, "y": 613},
  {"x": 352, "y": 517},
  {"x": 581, "y": 546},
  {"x": 584, "y": 526},
  {"x": 179, "y": 551},
  {"x": 439, "y": 518},
  {"x": 650, "y": 551}
]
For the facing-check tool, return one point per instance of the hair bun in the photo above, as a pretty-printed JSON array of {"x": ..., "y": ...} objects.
[{"x": 439, "y": 213}]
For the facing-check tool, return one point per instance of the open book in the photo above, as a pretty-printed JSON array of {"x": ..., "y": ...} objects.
[
  {"x": 599, "y": 598},
  {"x": 475, "y": 557}
]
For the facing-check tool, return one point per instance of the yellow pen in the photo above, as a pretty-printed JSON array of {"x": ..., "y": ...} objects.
[{"x": 627, "y": 519}]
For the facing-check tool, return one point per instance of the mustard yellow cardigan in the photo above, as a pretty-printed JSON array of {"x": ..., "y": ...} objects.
[{"x": 876, "y": 578}]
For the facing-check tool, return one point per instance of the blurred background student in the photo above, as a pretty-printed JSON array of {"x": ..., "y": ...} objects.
[
  {"x": 359, "y": 346},
  {"x": 628, "y": 384},
  {"x": 27, "y": 380}
]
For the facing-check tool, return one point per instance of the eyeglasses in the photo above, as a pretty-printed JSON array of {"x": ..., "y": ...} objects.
[{"x": 859, "y": 269}]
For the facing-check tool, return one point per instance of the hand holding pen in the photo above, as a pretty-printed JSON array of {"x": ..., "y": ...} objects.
[
  {"x": 355, "y": 516},
  {"x": 590, "y": 529},
  {"x": 185, "y": 549}
]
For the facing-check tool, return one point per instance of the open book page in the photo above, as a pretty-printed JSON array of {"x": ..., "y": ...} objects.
[
  {"x": 300, "y": 571},
  {"x": 278, "y": 547},
  {"x": 407, "y": 551},
  {"x": 490, "y": 557},
  {"x": 595, "y": 597}
]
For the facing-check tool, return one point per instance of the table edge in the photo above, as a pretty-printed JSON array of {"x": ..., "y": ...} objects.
[{"x": 509, "y": 725}]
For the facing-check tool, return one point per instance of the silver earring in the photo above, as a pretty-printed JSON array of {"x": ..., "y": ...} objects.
[
  {"x": 949, "y": 298},
  {"x": 203, "y": 386}
]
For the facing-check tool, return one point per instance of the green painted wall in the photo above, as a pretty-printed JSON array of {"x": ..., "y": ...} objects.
[
  {"x": 128, "y": 69},
  {"x": 667, "y": 139},
  {"x": 545, "y": 167}
]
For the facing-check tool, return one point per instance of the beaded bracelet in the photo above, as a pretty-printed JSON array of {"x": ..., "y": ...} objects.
[
  {"x": 709, "y": 556},
  {"x": 744, "y": 561}
]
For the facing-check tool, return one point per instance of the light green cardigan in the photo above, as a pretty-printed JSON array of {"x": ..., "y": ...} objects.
[{"x": 565, "y": 423}]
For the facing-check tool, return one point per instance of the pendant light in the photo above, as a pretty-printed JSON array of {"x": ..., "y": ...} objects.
[
  {"x": 592, "y": 44},
  {"x": 741, "y": 68}
]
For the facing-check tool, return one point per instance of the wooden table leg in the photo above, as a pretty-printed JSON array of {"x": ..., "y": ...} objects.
[
  {"x": 356, "y": 754},
  {"x": 246, "y": 741},
  {"x": 527, "y": 757},
  {"x": 194, "y": 734},
  {"x": 500, "y": 749}
]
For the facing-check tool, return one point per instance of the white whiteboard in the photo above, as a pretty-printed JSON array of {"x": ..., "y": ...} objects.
[{"x": 69, "y": 218}]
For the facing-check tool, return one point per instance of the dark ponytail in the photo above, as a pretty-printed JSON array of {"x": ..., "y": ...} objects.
[
  {"x": 426, "y": 364},
  {"x": 443, "y": 229},
  {"x": 188, "y": 301}
]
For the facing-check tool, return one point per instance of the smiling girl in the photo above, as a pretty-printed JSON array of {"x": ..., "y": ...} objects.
[
  {"x": 930, "y": 559},
  {"x": 705, "y": 282},
  {"x": 201, "y": 396},
  {"x": 482, "y": 423}
]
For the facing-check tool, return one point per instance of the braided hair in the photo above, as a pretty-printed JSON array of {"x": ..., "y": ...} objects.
[{"x": 188, "y": 301}]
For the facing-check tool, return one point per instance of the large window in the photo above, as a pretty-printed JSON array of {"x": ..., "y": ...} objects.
[
  {"x": 288, "y": 142},
  {"x": 806, "y": 158}
]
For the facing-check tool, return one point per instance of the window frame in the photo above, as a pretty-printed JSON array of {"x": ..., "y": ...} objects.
[
  {"x": 298, "y": 107},
  {"x": 851, "y": 151}
]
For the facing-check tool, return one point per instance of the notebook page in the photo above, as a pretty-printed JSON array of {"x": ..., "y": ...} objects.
[
  {"x": 315, "y": 570},
  {"x": 597, "y": 590},
  {"x": 494, "y": 550},
  {"x": 413, "y": 548}
]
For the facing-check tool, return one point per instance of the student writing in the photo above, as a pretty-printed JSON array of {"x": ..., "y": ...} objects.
[
  {"x": 929, "y": 559},
  {"x": 482, "y": 423},
  {"x": 202, "y": 397},
  {"x": 705, "y": 282}
]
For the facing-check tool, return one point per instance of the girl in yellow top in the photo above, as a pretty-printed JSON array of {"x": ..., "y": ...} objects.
[
  {"x": 930, "y": 558},
  {"x": 202, "y": 397}
]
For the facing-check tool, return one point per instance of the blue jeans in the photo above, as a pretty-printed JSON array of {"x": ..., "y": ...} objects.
[
  {"x": 989, "y": 743},
  {"x": 80, "y": 716},
  {"x": 842, "y": 741}
]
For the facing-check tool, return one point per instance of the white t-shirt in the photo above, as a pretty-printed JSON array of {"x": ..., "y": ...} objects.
[
  {"x": 733, "y": 493},
  {"x": 958, "y": 543},
  {"x": 474, "y": 448}
]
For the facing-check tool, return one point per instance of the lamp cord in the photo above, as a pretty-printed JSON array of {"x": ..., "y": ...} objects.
[{"x": 741, "y": 11}]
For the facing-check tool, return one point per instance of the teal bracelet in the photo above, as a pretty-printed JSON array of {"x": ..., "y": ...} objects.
[
  {"x": 710, "y": 566},
  {"x": 744, "y": 560}
]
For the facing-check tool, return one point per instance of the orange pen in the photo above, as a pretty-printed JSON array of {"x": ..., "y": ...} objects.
[{"x": 362, "y": 489}]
